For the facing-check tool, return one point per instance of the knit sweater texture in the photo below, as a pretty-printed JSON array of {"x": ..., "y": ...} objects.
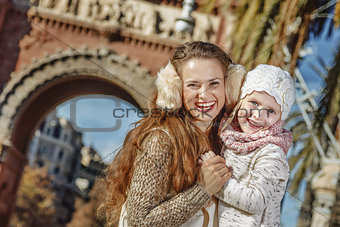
[
  {"x": 252, "y": 196},
  {"x": 151, "y": 201}
]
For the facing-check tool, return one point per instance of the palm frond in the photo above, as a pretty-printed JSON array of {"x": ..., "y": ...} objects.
[
  {"x": 266, "y": 28},
  {"x": 337, "y": 15},
  {"x": 207, "y": 6},
  {"x": 305, "y": 157},
  {"x": 330, "y": 102},
  {"x": 248, "y": 21}
]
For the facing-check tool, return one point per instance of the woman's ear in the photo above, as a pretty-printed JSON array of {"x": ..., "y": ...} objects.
[{"x": 233, "y": 83}]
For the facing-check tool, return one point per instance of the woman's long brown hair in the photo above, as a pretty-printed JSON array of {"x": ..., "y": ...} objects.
[{"x": 187, "y": 141}]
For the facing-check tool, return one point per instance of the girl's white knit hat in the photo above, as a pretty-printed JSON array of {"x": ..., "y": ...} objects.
[{"x": 273, "y": 80}]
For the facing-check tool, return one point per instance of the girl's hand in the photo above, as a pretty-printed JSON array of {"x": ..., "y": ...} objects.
[
  {"x": 214, "y": 174},
  {"x": 204, "y": 157}
]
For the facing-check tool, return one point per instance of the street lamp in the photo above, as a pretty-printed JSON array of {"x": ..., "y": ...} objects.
[{"x": 186, "y": 22}]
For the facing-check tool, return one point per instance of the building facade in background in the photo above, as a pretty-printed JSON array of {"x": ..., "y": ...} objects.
[
  {"x": 91, "y": 169},
  {"x": 57, "y": 147}
]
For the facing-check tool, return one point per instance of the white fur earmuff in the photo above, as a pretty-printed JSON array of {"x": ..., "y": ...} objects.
[{"x": 169, "y": 87}]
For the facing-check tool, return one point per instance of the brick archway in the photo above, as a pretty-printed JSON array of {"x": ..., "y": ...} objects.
[{"x": 32, "y": 93}]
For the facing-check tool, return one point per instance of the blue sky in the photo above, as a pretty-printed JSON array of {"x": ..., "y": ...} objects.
[
  {"x": 323, "y": 47},
  {"x": 97, "y": 112}
]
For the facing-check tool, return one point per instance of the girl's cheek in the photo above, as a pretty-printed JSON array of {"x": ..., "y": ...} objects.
[{"x": 242, "y": 113}]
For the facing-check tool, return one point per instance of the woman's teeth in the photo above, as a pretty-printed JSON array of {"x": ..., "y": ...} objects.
[{"x": 205, "y": 105}]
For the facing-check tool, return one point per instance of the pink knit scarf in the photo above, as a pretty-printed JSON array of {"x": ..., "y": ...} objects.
[{"x": 242, "y": 143}]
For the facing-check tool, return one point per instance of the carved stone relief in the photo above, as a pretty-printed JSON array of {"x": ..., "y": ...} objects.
[
  {"x": 135, "y": 16},
  {"x": 36, "y": 36}
]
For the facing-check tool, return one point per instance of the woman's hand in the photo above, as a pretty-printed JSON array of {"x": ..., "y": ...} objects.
[{"x": 214, "y": 172}]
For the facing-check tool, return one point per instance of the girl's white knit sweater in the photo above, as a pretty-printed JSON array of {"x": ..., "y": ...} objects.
[{"x": 253, "y": 195}]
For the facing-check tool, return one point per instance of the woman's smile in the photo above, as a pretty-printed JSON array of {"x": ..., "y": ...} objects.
[{"x": 205, "y": 106}]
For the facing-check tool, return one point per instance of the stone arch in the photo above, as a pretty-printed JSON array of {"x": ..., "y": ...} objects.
[
  {"x": 99, "y": 65},
  {"x": 40, "y": 87}
]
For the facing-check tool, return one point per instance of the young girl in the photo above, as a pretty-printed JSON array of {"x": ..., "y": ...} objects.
[{"x": 255, "y": 147}]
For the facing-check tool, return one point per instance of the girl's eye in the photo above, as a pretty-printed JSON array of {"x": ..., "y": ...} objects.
[{"x": 254, "y": 103}]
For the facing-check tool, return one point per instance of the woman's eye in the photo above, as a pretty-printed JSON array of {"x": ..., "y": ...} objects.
[
  {"x": 214, "y": 84},
  {"x": 193, "y": 85},
  {"x": 271, "y": 111},
  {"x": 254, "y": 103}
]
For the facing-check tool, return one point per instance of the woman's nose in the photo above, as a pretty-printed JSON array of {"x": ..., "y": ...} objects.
[{"x": 203, "y": 91}]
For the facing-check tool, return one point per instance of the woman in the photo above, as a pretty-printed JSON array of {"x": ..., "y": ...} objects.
[{"x": 154, "y": 180}]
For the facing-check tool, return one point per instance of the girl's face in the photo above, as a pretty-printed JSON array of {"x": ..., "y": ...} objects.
[
  {"x": 258, "y": 111},
  {"x": 203, "y": 88}
]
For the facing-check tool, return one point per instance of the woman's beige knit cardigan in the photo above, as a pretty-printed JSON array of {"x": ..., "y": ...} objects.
[{"x": 151, "y": 200}]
